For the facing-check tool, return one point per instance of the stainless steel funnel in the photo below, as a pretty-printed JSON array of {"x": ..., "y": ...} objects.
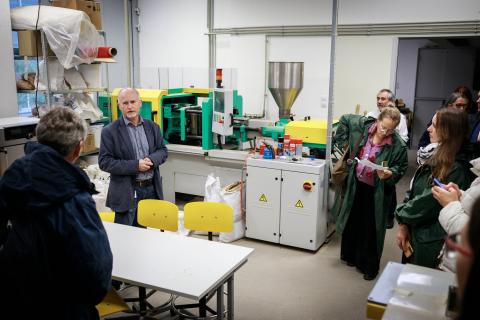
[{"x": 285, "y": 81}]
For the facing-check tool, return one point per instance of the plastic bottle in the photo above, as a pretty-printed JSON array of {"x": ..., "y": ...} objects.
[
  {"x": 286, "y": 145},
  {"x": 298, "y": 147}
]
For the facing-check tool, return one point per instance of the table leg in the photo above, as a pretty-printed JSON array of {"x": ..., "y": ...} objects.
[
  {"x": 220, "y": 302},
  {"x": 202, "y": 307},
  {"x": 142, "y": 296},
  {"x": 230, "y": 297}
]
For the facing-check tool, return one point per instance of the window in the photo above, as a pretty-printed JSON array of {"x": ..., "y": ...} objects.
[{"x": 25, "y": 101}]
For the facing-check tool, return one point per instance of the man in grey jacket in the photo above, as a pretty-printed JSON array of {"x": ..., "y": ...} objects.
[{"x": 131, "y": 150}]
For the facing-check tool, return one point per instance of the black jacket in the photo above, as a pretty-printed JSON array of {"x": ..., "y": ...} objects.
[{"x": 55, "y": 258}]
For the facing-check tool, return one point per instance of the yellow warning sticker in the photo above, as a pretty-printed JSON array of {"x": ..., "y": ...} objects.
[
  {"x": 263, "y": 198},
  {"x": 299, "y": 204}
]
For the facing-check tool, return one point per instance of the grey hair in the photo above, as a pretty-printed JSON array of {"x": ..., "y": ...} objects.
[
  {"x": 61, "y": 129},
  {"x": 390, "y": 94},
  {"x": 127, "y": 89},
  {"x": 392, "y": 113}
]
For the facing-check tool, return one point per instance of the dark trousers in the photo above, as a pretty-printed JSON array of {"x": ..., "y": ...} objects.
[
  {"x": 359, "y": 239},
  {"x": 130, "y": 217}
]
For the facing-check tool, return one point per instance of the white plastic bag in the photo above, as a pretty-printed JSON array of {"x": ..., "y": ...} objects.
[
  {"x": 70, "y": 34},
  {"x": 213, "y": 190}
]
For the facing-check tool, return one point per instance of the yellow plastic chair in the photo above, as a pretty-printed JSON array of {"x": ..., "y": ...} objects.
[
  {"x": 158, "y": 214},
  {"x": 162, "y": 215},
  {"x": 107, "y": 216},
  {"x": 209, "y": 217},
  {"x": 111, "y": 304}
]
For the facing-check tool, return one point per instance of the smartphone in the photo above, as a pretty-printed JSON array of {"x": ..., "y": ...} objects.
[{"x": 438, "y": 183}]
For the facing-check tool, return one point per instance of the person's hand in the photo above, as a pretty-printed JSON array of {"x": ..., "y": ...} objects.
[
  {"x": 444, "y": 196},
  {"x": 453, "y": 186},
  {"x": 144, "y": 164},
  {"x": 403, "y": 236},
  {"x": 384, "y": 174}
]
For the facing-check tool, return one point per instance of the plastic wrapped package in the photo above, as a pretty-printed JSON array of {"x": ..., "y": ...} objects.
[
  {"x": 55, "y": 74},
  {"x": 70, "y": 34}
]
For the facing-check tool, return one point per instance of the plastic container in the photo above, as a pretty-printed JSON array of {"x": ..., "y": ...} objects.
[
  {"x": 262, "y": 149},
  {"x": 267, "y": 154},
  {"x": 293, "y": 146},
  {"x": 298, "y": 147}
]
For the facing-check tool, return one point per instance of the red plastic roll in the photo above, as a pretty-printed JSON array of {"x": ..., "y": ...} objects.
[{"x": 106, "y": 52}]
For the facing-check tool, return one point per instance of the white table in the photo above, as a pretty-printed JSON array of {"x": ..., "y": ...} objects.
[
  {"x": 184, "y": 266},
  {"x": 409, "y": 292}
]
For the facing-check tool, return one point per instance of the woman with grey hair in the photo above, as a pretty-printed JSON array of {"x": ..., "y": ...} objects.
[{"x": 53, "y": 246}]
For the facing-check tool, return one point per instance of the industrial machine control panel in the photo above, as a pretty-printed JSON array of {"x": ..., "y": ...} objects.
[
  {"x": 222, "y": 118},
  {"x": 284, "y": 202}
]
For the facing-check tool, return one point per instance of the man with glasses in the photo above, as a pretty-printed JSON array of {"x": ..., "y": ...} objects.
[
  {"x": 131, "y": 150},
  {"x": 385, "y": 97}
]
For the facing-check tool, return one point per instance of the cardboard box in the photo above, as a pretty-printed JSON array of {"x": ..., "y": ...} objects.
[
  {"x": 70, "y": 4},
  {"x": 94, "y": 10},
  {"x": 26, "y": 44},
  {"x": 89, "y": 143}
]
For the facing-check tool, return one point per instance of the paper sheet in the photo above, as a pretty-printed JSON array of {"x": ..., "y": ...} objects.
[{"x": 370, "y": 164}]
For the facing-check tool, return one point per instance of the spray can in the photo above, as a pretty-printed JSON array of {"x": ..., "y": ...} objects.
[
  {"x": 286, "y": 144},
  {"x": 280, "y": 147}
]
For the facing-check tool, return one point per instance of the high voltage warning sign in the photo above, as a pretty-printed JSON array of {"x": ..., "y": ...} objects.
[
  {"x": 299, "y": 204},
  {"x": 263, "y": 198}
]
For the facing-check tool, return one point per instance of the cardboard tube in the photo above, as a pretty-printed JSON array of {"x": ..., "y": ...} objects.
[{"x": 106, "y": 52}]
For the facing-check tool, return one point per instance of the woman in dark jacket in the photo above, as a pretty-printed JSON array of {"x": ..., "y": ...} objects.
[
  {"x": 418, "y": 218},
  {"x": 361, "y": 209}
]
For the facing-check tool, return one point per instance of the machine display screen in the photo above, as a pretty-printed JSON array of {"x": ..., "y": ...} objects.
[{"x": 219, "y": 105}]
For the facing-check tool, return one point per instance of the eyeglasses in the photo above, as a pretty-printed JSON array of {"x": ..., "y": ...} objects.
[
  {"x": 453, "y": 246},
  {"x": 384, "y": 129}
]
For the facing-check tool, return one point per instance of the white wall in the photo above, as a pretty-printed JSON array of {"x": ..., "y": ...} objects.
[
  {"x": 8, "y": 91},
  {"x": 245, "y": 13},
  {"x": 363, "y": 68},
  {"x": 173, "y": 36},
  {"x": 113, "y": 23}
]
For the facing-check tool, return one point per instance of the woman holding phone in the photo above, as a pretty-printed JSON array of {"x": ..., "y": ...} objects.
[{"x": 419, "y": 228}]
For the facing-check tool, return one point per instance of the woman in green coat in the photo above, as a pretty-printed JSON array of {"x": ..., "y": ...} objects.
[
  {"x": 361, "y": 207},
  {"x": 419, "y": 227}
]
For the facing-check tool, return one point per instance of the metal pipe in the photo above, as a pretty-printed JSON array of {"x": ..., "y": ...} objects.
[
  {"x": 212, "y": 43},
  {"x": 417, "y": 28},
  {"x": 128, "y": 42},
  {"x": 193, "y": 111},
  {"x": 328, "y": 151}
]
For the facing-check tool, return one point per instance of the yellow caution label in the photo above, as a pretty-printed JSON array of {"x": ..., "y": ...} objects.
[
  {"x": 263, "y": 198},
  {"x": 299, "y": 204}
]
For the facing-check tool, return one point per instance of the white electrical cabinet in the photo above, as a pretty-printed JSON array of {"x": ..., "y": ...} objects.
[{"x": 284, "y": 202}]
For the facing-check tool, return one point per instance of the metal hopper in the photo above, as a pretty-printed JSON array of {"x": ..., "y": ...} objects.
[{"x": 285, "y": 81}]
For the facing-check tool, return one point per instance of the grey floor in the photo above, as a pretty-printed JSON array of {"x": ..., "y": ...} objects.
[{"x": 283, "y": 283}]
